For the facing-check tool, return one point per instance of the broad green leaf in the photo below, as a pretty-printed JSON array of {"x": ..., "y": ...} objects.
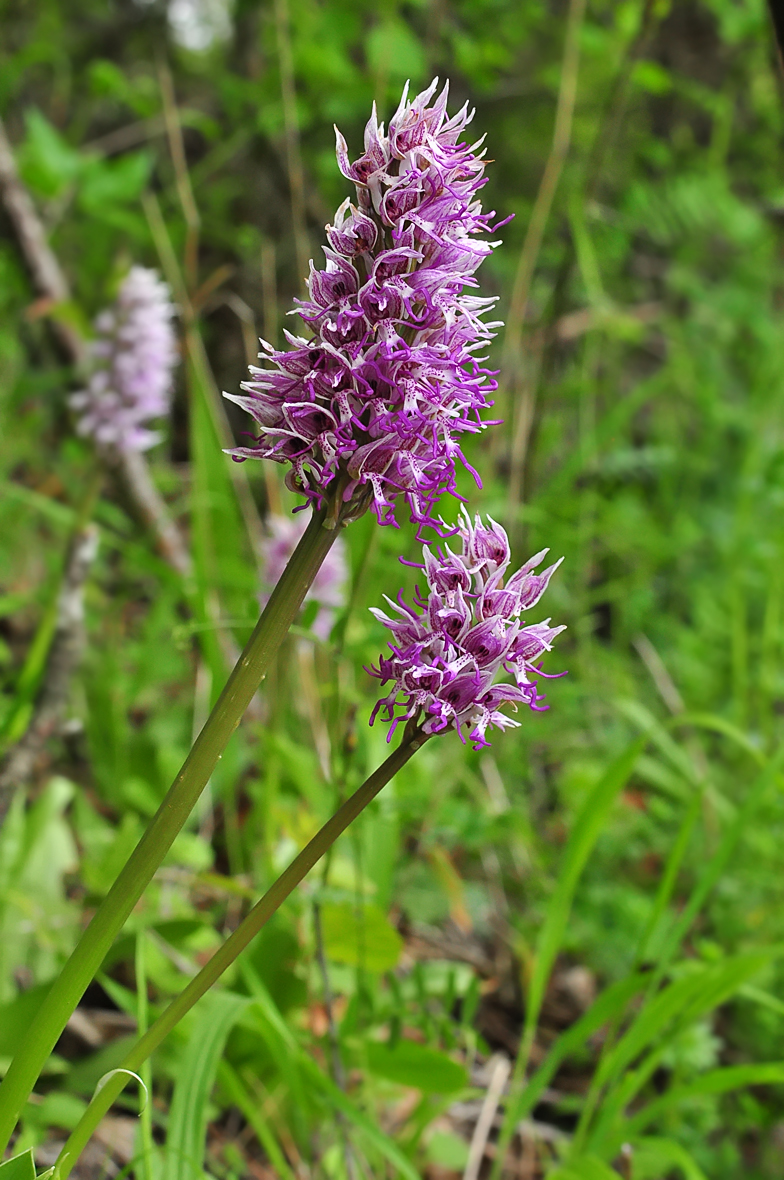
[
  {"x": 58, "y": 1109},
  {"x": 758, "y": 996},
  {"x": 47, "y": 162},
  {"x": 447, "y": 1150},
  {"x": 16, "y": 1015},
  {"x": 185, "y": 1142},
  {"x": 656, "y": 1157},
  {"x": 114, "y": 182},
  {"x": 21, "y": 1167},
  {"x": 393, "y": 47},
  {"x": 361, "y": 936},
  {"x": 411, "y": 1064},
  {"x": 586, "y": 1167}
]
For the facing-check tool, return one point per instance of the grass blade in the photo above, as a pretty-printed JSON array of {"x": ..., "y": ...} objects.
[
  {"x": 318, "y": 1081},
  {"x": 587, "y": 1167},
  {"x": 195, "y": 1078},
  {"x": 584, "y": 835},
  {"x": 652, "y": 1156},
  {"x": 715, "y": 1081}
]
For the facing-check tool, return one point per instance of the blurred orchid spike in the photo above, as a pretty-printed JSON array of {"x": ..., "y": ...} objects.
[
  {"x": 329, "y": 585},
  {"x": 132, "y": 360},
  {"x": 445, "y": 659},
  {"x": 371, "y": 404}
]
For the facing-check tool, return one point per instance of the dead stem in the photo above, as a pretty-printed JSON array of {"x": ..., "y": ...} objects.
[
  {"x": 64, "y": 657},
  {"x": 291, "y": 125}
]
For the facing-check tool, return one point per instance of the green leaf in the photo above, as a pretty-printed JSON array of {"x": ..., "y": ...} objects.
[
  {"x": 411, "y": 1064},
  {"x": 716, "y": 724},
  {"x": 610, "y": 1003},
  {"x": 47, "y": 162},
  {"x": 661, "y": 1019},
  {"x": 687, "y": 998},
  {"x": 185, "y": 1144},
  {"x": 15, "y": 1018},
  {"x": 713, "y": 870},
  {"x": 114, "y": 182},
  {"x": 243, "y": 1100},
  {"x": 361, "y": 936},
  {"x": 585, "y": 833},
  {"x": 226, "y": 577},
  {"x": 654, "y": 1158},
  {"x": 586, "y": 1167},
  {"x": 447, "y": 1150},
  {"x": 58, "y": 1109},
  {"x": 21, "y": 1167},
  {"x": 278, "y": 1031},
  {"x": 715, "y": 1081},
  {"x": 395, "y": 50}
]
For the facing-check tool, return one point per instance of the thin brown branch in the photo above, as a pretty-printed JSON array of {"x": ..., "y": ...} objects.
[
  {"x": 65, "y": 654},
  {"x": 52, "y": 284},
  {"x": 522, "y": 373},
  {"x": 291, "y": 125},
  {"x": 38, "y": 254},
  {"x": 615, "y": 109},
  {"x": 499, "y": 1074},
  {"x": 184, "y": 190},
  {"x": 134, "y": 472},
  {"x": 562, "y": 137},
  {"x": 337, "y": 1071},
  {"x": 128, "y": 136}
]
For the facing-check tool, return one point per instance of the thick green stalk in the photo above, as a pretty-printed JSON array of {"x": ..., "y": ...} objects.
[
  {"x": 235, "y": 944},
  {"x": 81, "y": 967}
]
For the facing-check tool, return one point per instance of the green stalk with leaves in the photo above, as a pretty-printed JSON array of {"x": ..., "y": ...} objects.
[{"x": 86, "y": 959}]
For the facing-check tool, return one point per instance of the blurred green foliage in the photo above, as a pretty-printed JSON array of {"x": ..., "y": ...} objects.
[{"x": 643, "y": 439}]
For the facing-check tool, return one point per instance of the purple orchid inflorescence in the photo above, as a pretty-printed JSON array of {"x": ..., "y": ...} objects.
[
  {"x": 445, "y": 659},
  {"x": 328, "y": 589},
  {"x": 371, "y": 405},
  {"x": 132, "y": 358}
]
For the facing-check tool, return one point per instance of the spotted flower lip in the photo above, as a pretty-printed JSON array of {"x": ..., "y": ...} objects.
[
  {"x": 447, "y": 654},
  {"x": 370, "y": 405},
  {"x": 132, "y": 358}
]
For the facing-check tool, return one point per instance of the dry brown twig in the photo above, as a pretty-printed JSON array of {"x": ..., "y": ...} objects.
[
  {"x": 296, "y": 172},
  {"x": 499, "y": 1075},
  {"x": 52, "y": 285},
  {"x": 64, "y": 657},
  {"x": 521, "y": 371}
]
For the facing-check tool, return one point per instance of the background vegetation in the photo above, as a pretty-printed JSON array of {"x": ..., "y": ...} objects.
[{"x": 629, "y": 839}]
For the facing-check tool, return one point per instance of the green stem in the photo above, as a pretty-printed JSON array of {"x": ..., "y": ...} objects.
[
  {"x": 81, "y": 967},
  {"x": 261, "y": 913}
]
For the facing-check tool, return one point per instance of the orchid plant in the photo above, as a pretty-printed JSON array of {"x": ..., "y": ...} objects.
[{"x": 366, "y": 411}]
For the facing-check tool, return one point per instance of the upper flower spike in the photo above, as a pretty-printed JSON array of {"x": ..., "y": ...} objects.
[
  {"x": 445, "y": 659},
  {"x": 133, "y": 355},
  {"x": 371, "y": 404}
]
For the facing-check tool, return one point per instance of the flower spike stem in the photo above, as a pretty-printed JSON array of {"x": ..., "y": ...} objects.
[
  {"x": 250, "y": 926},
  {"x": 86, "y": 959}
]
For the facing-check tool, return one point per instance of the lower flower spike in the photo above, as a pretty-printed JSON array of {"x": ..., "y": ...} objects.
[{"x": 447, "y": 654}]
